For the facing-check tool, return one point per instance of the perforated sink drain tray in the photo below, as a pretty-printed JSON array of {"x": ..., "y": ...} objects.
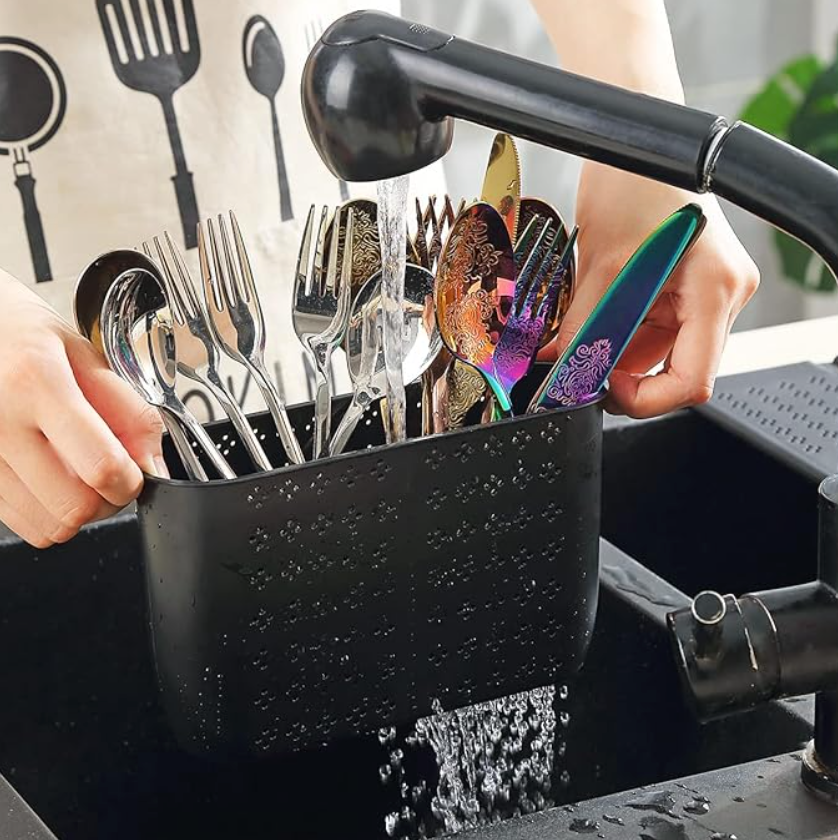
[
  {"x": 290, "y": 608},
  {"x": 790, "y": 412}
]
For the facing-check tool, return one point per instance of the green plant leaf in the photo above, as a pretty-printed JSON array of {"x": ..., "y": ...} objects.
[
  {"x": 802, "y": 265},
  {"x": 773, "y": 108},
  {"x": 814, "y": 128}
]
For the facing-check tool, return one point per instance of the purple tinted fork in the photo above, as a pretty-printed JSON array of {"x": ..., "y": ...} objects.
[{"x": 518, "y": 346}]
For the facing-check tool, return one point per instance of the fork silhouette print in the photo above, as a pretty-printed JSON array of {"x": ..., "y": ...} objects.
[{"x": 161, "y": 59}]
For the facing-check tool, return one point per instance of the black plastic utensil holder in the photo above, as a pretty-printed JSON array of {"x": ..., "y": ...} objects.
[{"x": 293, "y": 607}]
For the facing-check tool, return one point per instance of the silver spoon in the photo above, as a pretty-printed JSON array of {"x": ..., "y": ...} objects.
[
  {"x": 139, "y": 345},
  {"x": 90, "y": 292},
  {"x": 364, "y": 351}
]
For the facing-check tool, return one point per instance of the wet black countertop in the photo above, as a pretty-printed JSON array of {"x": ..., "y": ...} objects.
[
  {"x": 17, "y": 820},
  {"x": 764, "y": 800}
]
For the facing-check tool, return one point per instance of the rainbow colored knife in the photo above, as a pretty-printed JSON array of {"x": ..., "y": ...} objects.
[{"x": 582, "y": 370}]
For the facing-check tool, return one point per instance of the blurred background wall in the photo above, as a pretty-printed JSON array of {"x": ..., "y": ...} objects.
[{"x": 726, "y": 51}]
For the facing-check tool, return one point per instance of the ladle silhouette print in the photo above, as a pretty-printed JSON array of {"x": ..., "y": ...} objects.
[
  {"x": 161, "y": 60},
  {"x": 33, "y": 99}
]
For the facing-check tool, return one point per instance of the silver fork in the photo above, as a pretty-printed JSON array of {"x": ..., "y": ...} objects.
[
  {"x": 236, "y": 319},
  {"x": 321, "y": 309},
  {"x": 197, "y": 352}
]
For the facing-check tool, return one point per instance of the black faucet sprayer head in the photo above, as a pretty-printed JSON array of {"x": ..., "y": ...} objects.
[{"x": 364, "y": 137}]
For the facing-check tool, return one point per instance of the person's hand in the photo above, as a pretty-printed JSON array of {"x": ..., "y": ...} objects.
[
  {"x": 73, "y": 436},
  {"x": 687, "y": 327}
]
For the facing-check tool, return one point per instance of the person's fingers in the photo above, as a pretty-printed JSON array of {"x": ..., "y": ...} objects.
[
  {"x": 65, "y": 496},
  {"x": 18, "y": 497},
  {"x": 688, "y": 375},
  {"x": 649, "y": 347},
  {"x": 51, "y": 403},
  {"x": 586, "y": 298},
  {"x": 135, "y": 423},
  {"x": 27, "y": 517},
  {"x": 89, "y": 448},
  {"x": 21, "y": 526}
]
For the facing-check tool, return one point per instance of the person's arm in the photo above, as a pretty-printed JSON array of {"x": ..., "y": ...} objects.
[
  {"x": 622, "y": 42},
  {"x": 628, "y": 43},
  {"x": 73, "y": 436}
]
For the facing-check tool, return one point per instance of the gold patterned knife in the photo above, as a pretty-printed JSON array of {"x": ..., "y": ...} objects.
[{"x": 502, "y": 182}]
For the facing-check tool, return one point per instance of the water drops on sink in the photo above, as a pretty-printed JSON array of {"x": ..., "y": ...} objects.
[
  {"x": 661, "y": 802},
  {"x": 584, "y": 826},
  {"x": 698, "y": 805}
]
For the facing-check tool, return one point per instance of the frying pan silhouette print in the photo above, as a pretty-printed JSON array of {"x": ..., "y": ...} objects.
[{"x": 33, "y": 99}]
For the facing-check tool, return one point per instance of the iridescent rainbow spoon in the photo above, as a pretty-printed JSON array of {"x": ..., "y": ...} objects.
[{"x": 581, "y": 371}]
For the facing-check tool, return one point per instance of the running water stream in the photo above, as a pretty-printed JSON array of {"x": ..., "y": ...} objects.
[
  {"x": 392, "y": 231},
  {"x": 494, "y": 760}
]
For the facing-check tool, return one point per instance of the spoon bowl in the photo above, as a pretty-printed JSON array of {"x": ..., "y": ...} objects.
[
  {"x": 139, "y": 344},
  {"x": 97, "y": 278},
  {"x": 475, "y": 291}
]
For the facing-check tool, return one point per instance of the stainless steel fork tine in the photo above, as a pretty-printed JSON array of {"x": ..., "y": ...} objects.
[
  {"x": 212, "y": 294},
  {"x": 435, "y": 248},
  {"x": 304, "y": 276},
  {"x": 247, "y": 289},
  {"x": 183, "y": 281},
  {"x": 426, "y": 215},
  {"x": 229, "y": 272},
  {"x": 420, "y": 241},
  {"x": 345, "y": 287},
  {"x": 319, "y": 252},
  {"x": 432, "y": 222},
  {"x": 331, "y": 284},
  {"x": 218, "y": 275},
  {"x": 448, "y": 211},
  {"x": 176, "y": 303}
]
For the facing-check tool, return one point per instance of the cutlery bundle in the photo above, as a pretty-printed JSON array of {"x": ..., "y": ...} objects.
[
  {"x": 265, "y": 588},
  {"x": 486, "y": 288}
]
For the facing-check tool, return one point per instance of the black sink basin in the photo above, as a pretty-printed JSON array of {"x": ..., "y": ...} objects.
[
  {"x": 706, "y": 509},
  {"x": 85, "y": 742}
]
